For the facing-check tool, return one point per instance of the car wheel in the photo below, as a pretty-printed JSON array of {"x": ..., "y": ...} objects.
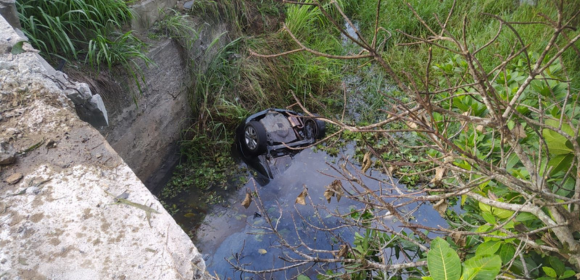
[
  {"x": 320, "y": 127},
  {"x": 310, "y": 129},
  {"x": 254, "y": 138},
  {"x": 314, "y": 128}
]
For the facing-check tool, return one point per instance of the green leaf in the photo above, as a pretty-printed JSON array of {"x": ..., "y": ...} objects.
[
  {"x": 487, "y": 248},
  {"x": 513, "y": 159},
  {"x": 560, "y": 162},
  {"x": 567, "y": 274},
  {"x": 557, "y": 143},
  {"x": 506, "y": 253},
  {"x": 488, "y": 217},
  {"x": 484, "y": 207},
  {"x": 502, "y": 213},
  {"x": 482, "y": 268},
  {"x": 302, "y": 277},
  {"x": 522, "y": 217},
  {"x": 549, "y": 271},
  {"x": 442, "y": 261},
  {"x": 557, "y": 265},
  {"x": 565, "y": 127},
  {"x": 17, "y": 48}
]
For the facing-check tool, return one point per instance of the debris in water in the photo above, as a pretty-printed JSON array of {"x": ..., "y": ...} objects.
[
  {"x": 367, "y": 162},
  {"x": 334, "y": 189},
  {"x": 301, "y": 199},
  {"x": 247, "y": 201}
]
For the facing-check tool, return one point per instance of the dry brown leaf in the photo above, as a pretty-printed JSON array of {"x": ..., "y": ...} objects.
[
  {"x": 301, "y": 199},
  {"x": 391, "y": 169},
  {"x": 334, "y": 189},
  {"x": 448, "y": 159},
  {"x": 480, "y": 128},
  {"x": 412, "y": 125},
  {"x": 328, "y": 194},
  {"x": 337, "y": 188},
  {"x": 342, "y": 251},
  {"x": 519, "y": 131},
  {"x": 491, "y": 195},
  {"x": 247, "y": 201},
  {"x": 367, "y": 162},
  {"x": 458, "y": 239},
  {"x": 439, "y": 172},
  {"x": 262, "y": 251},
  {"x": 441, "y": 207},
  {"x": 463, "y": 123}
]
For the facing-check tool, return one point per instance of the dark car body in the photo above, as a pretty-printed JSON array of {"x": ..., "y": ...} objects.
[{"x": 273, "y": 133}]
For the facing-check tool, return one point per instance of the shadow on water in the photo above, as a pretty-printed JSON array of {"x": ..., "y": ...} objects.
[{"x": 231, "y": 231}]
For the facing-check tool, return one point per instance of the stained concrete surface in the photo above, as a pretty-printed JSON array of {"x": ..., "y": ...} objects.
[{"x": 63, "y": 219}]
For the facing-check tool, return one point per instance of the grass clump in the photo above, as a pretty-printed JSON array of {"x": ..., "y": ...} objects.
[
  {"x": 178, "y": 26},
  {"x": 64, "y": 27},
  {"x": 83, "y": 30}
]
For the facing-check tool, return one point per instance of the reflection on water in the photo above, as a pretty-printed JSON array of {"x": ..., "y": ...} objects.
[{"x": 235, "y": 232}]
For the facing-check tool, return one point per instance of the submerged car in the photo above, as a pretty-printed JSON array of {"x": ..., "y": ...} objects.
[{"x": 275, "y": 132}]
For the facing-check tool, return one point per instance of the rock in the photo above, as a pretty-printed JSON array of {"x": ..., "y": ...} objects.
[
  {"x": 187, "y": 5},
  {"x": 7, "y": 153},
  {"x": 7, "y": 65},
  {"x": 14, "y": 178},
  {"x": 8, "y": 11}
]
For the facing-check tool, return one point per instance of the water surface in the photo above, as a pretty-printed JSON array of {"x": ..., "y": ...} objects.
[{"x": 233, "y": 232}]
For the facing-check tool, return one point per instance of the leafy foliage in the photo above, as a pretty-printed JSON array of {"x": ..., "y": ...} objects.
[{"x": 489, "y": 114}]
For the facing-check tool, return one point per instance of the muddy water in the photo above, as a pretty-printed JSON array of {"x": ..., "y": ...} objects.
[{"x": 233, "y": 232}]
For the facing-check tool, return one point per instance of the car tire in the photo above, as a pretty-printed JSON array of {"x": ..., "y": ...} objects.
[
  {"x": 255, "y": 138},
  {"x": 321, "y": 125},
  {"x": 319, "y": 129}
]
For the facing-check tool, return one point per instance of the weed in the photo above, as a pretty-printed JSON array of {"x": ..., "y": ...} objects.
[
  {"x": 64, "y": 27},
  {"x": 177, "y": 26},
  {"x": 83, "y": 29}
]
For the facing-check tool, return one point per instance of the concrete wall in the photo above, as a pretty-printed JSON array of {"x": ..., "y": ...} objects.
[
  {"x": 145, "y": 130},
  {"x": 70, "y": 207}
]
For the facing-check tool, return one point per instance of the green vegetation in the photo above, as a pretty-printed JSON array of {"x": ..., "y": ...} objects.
[
  {"x": 178, "y": 26},
  {"x": 236, "y": 85},
  {"x": 83, "y": 29},
  {"x": 483, "y": 114},
  {"x": 481, "y": 27}
]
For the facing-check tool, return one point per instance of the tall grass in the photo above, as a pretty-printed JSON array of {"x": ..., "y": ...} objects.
[
  {"x": 396, "y": 16},
  {"x": 178, "y": 26},
  {"x": 64, "y": 27},
  {"x": 83, "y": 29}
]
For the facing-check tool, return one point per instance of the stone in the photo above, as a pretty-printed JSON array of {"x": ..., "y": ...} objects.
[
  {"x": 14, "y": 178},
  {"x": 8, "y": 37},
  {"x": 8, "y": 11},
  {"x": 90, "y": 108},
  {"x": 7, "y": 153},
  {"x": 60, "y": 219},
  {"x": 187, "y": 5}
]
